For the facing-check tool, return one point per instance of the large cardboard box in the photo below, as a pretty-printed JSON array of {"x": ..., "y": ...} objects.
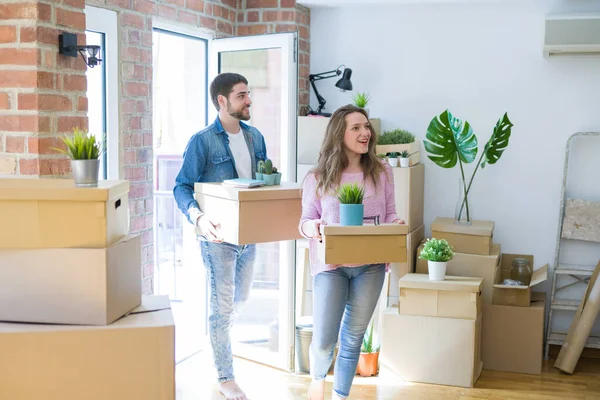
[
  {"x": 454, "y": 297},
  {"x": 133, "y": 358},
  {"x": 476, "y": 238},
  {"x": 443, "y": 351},
  {"x": 472, "y": 265},
  {"x": 513, "y": 337},
  {"x": 364, "y": 244},
  {"x": 53, "y": 213},
  {"x": 398, "y": 270},
  {"x": 71, "y": 286},
  {"x": 409, "y": 187},
  {"x": 510, "y": 295},
  {"x": 257, "y": 215}
]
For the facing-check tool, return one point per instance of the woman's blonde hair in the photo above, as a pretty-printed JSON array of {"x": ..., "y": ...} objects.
[{"x": 333, "y": 159}]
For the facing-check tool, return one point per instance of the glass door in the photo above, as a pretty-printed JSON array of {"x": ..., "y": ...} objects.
[{"x": 264, "y": 330}]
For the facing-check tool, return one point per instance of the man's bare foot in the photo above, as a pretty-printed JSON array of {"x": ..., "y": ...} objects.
[
  {"x": 316, "y": 390},
  {"x": 231, "y": 391}
]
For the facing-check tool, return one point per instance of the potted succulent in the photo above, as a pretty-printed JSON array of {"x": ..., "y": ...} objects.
[
  {"x": 405, "y": 159},
  {"x": 362, "y": 99},
  {"x": 368, "y": 360},
  {"x": 437, "y": 252},
  {"x": 277, "y": 176},
  {"x": 260, "y": 170},
  {"x": 84, "y": 150},
  {"x": 393, "y": 158},
  {"x": 268, "y": 176},
  {"x": 352, "y": 210}
]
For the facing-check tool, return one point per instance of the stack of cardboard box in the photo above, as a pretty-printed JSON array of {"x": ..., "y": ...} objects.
[
  {"x": 74, "y": 322},
  {"x": 513, "y": 316}
]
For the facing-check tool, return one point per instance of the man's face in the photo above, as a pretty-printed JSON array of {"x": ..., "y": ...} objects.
[{"x": 238, "y": 102}]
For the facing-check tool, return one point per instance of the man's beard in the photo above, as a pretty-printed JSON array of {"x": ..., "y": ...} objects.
[{"x": 237, "y": 114}]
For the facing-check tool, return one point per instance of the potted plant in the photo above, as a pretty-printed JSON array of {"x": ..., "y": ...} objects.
[
  {"x": 277, "y": 175},
  {"x": 397, "y": 140},
  {"x": 361, "y": 99},
  {"x": 352, "y": 209},
  {"x": 393, "y": 158},
  {"x": 451, "y": 141},
  {"x": 368, "y": 360},
  {"x": 405, "y": 159},
  {"x": 268, "y": 176},
  {"x": 84, "y": 151},
  {"x": 437, "y": 252},
  {"x": 260, "y": 170}
]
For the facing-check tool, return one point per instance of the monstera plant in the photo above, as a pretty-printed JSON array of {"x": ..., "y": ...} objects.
[{"x": 450, "y": 140}]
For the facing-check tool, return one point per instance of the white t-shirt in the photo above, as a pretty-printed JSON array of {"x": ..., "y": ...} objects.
[{"x": 241, "y": 154}]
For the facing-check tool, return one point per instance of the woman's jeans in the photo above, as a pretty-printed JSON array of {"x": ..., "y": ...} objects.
[
  {"x": 230, "y": 272},
  {"x": 351, "y": 292}
]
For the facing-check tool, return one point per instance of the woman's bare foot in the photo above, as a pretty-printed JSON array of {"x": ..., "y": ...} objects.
[
  {"x": 231, "y": 391},
  {"x": 316, "y": 390}
]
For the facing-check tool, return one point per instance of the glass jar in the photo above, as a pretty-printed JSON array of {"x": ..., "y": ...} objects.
[{"x": 521, "y": 271}]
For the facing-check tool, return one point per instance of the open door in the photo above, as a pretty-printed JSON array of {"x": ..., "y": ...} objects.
[{"x": 264, "y": 330}]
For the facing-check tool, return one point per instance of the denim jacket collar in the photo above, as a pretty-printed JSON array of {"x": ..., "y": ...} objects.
[{"x": 249, "y": 142}]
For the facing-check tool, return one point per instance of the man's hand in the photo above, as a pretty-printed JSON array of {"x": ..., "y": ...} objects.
[
  {"x": 312, "y": 228},
  {"x": 210, "y": 228}
]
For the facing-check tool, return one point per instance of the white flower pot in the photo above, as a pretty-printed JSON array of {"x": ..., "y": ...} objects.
[
  {"x": 404, "y": 162},
  {"x": 393, "y": 161},
  {"x": 437, "y": 270}
]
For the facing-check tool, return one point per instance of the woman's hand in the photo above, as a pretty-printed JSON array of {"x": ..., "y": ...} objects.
[
  {"x": 398, "y": 221},
  {"x": 312, "y": 228}
]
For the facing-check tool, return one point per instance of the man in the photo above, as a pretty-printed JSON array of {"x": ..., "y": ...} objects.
[{"x": 226, "y": 149}]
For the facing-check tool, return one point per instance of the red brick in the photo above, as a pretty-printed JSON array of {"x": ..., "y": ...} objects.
[
  {"x": 140, "y": 107},
  {"x": 179, "y": 3},
  {"x": 129, "y": 157},
  {"x": 82, "y": 103},
  {"x": 225, "y": 27},
  {"x": 230, "y": 3},
  {"x": 240, "y": 17},
  {"x": 253, "y": 16},
  {"x": 47, "y": 35},
  {"x": 33, "y": 145},
  {"x": 75, "y": 3},
  {"x": 46, "y": 145},
  {"x": 12, "y": 56},
  {"x": 288, "y": 3},
  {"x": 208, "y": 22},
  {"x": 18, "y": 79},
  {"x": 269, "y": 16},
  {"x": 45, "y": 80},
  {"x": 44, "y": 12},
  {"x": 19, "y": 123},
  {"x": 131, "y": 54},
  {"x": 146, "y": 56},
  {"x": 133, "y": 37},
  {"x": 167, "y": 12},
  {"x": 220, "y": 12},
  {"x": 44, "y": 102},
  {"x": 135, "y": 123},
  {"x": 73, "y": 82},
  {"x": 134, "y": 20},
  {"x": 15, "y": 144},
  {"x": 135, "y": 174},
  {"x": 144, "y": 6},
  {"x": 125, "y": 4},
  {"x": 18, "y": 11},
  {"x": 148, "y": 139},
  {"x": 196, "y": 5},
  {"x": 66, "y": 124},
  {"x": 4, "y": 101},
  {"x": 304, "y": 32},
  {"x": 29, "y": 166},
  {"x": 71, "y": 19},
  {"x": 27, "y": 34},
  {"x": 208, "y": 8},
  {"x": 54, "y": 166},
  {"x": 286, "y": 28},
  {"x": 147, "y": 40},
  {"x": 187, "y": 18},
  {"x": 252, "y": 30},
  {"x": 134, "y": 89},
  {"x": 8, "y": 34},
  {"x": 262, "y": 3}
]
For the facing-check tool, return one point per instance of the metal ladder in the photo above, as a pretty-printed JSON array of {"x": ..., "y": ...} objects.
[{"x": 581, "y": 273}]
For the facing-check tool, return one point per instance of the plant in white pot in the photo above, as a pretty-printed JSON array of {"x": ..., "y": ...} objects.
[
  {"x": 393, "y": 159},
  {"x": 404, "y": 159},
  {"x": 352, "y": 209},
  {"x": 84, "y": 150},
  {"x": 437, "y": 252}
]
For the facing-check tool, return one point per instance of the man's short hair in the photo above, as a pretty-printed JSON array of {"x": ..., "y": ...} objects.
[{"x": 223, "y": 85}]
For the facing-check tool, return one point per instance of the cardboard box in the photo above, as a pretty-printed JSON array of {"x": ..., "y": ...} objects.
[
  {"x": 443, "y": 351},
  {"x": 520, "y": 296},
  {"x": 53, "y": 213},
  {"x": 409, "y": 185},
  {"x": 364, "y": 244},
  {"x": 472, "y": 265},
  {"x": 513, "y": 337},
  {"x": 311, "y": 132},
  {"x": 454, "y": 297},
  {"x": 476, "y": 238},
  {"x": 71, "y": 286},
  {"x": 398, "y": 270},
  {"x": 257, "y": 215},
  {"x": 133, "y": 358},
  {"x": 412, "y": 148}
]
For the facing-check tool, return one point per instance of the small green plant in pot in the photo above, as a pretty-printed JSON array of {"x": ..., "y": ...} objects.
[
  {"x": 437, "y": 252},
  {"x": 362, "y": 99},
  {"x": 369, "y": 354},
  {"x": 352, "y": 210},
  {"x": 277, "y": 176},
  {"x": 268, "y": 176},
  {"x": 393, "y": 158},
  {"x": 84, "y": 150},
  {"x": 260, "y": 170}
]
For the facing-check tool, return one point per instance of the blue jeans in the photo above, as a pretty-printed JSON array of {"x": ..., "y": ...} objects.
[
  {"x": 230, "y": 273},
  {"x": 351, "y": 292}
]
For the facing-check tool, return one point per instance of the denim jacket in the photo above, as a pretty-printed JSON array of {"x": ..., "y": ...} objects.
[{"x": 208, "y": 158}]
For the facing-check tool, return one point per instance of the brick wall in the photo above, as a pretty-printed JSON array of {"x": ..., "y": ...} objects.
[{"x": 42, "y": 93}]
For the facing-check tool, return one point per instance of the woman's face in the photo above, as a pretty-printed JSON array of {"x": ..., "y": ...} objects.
[{"x": 358, "y": 133}]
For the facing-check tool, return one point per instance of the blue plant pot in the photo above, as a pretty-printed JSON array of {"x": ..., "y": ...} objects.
[
  {"x": 352, "y": 214},
  {"x": 259, "y": 176},
  {"x": 277, "y": 177},
  {"x": 269, "y": 179}
]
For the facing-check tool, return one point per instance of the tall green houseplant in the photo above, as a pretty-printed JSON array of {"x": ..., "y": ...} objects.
[{"x": 450, "y": 140}]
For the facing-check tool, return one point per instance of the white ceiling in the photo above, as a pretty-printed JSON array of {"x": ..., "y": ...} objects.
[{"x": 340, "y": 3}]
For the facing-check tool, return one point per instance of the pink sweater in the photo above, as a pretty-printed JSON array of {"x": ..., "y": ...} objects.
[{"x": 327, "y": 208}]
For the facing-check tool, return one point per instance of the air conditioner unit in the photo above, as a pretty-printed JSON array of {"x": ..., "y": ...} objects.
[{"x": 572, "y": 35}]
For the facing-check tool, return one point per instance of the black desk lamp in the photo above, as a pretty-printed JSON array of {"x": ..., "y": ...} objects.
[{"x": 344, "y": 84}]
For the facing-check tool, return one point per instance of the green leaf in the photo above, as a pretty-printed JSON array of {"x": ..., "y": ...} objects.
[
  {"x": 498, "y": 141},
  {"x": 449, "y": 138}
]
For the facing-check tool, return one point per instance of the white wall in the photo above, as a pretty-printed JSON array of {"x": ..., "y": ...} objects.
[{"x": 478, "y": 60}]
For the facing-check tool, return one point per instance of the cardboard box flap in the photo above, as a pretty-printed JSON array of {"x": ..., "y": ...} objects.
[
  {"x": 478, "y": 228},
  {"x": 60, "y": 190},
  {"x": 152, "y": 303},
  {"x": 287, "y": 190},
  {"x": 538, "y": 276},
  {"x": 367, "y": 229},
  {"x": 450, "y": 283}
]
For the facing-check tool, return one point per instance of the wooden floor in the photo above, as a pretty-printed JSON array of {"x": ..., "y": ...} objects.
[{"x": 196, "y": 377}]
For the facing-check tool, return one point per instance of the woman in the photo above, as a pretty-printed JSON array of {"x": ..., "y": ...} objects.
[{"x": 347, "y": 156}]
